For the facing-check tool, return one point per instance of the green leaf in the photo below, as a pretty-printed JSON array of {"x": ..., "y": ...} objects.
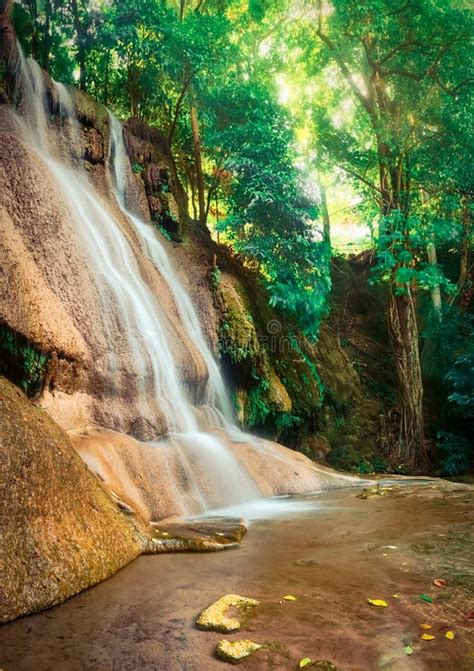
[{"x": 428, "y": 599}]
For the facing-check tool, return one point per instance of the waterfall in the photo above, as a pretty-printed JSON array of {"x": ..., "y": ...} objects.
[
  {"x": 142, "y": 320},
  {"x": 216, "y": 395}
]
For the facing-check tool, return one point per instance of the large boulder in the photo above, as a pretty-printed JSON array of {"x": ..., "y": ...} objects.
[{"x": 61, "y": 532}]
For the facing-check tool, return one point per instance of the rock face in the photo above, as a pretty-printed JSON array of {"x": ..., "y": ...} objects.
[{"x": 61, "y": 532}]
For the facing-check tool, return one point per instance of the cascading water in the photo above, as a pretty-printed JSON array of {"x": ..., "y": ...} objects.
[
  {"x": 216, "y": 395},
  {"x": 143, "y": 323},
  {"x": 200, "y": 442}
]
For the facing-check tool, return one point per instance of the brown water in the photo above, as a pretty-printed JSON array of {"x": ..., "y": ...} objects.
[{"x": 331, "y": 558}]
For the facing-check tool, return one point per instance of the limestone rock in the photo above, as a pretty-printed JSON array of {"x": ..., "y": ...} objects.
[
  {"x": 60, "y": 531},
  {"x": 235, "y": 651},
  {"x": 210, "y": 535},
  {"x": 216, "y": 617}
]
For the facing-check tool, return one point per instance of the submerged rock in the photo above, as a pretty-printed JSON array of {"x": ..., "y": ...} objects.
[
  {"x": 216, "y": 617},
  {"x": 208, "y": 535},
  {"x": 235, "y": 651},
  {"x": 367, "y": 493}
]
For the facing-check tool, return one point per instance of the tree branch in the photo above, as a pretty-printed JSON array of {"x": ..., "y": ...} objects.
[
  {"x": 361, "y": 178},
  {"x": 177, "y": 110}
]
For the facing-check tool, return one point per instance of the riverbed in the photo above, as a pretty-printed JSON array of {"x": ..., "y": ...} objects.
[{"x": 332, "y": 552}]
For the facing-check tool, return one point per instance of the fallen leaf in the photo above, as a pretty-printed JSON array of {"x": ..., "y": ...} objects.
[
  {"x": 378, "y": 602},
  {"x": 408, "y": 650},
  {"x": 396, "y": 596},
  {"x": 304, "y": 662},
  {"x": 290, "y": 597},
  {"x": 439, "y": 583},
  {"x": 428, "y": 599},
  {"x": 427, "y": 637},
  {"x": 469, "y": 615},
  {"x": 450, "y": 635},
  {"x": 425, "y": 626}
]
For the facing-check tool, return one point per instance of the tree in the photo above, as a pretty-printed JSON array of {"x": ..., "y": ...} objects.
[{"x": 400, "y": 63}]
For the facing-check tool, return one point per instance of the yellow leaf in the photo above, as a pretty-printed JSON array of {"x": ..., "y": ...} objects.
[
  {"x": 450, "y": 635},
  {"x": 427, "y": 637},
  {"x": 304, "y": 662},
  {"x": 290, "y": 597},
  {"x": 396, "y": 596},
  {"x": 425, "y": 626},
  {"x": 378, "y": 602}
]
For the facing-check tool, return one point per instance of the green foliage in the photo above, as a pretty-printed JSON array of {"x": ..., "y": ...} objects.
[
  {"x": 287, "y": 420},
  {"x": 164, "y": 232},
  {"x": 258, "y": 408},
  {"x": 22, "y": 362},
  {"x": 137, "y": 168},
  {"x": 269, "y": 217},
  {"x": 455, "y": 453},
  {"x": 216, "y": 277},
  {"x": 348, "y": 458},
  {"x": 461, "y": 379}
]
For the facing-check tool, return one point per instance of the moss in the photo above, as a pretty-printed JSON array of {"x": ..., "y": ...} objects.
[
  {"x": 281, "y": 382},
  {"x": 21, "y": 362},
  {"x": 237, "y": 335}
]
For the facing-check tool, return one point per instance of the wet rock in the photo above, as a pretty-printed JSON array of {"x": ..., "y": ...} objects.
[
  {"x": 209, "y": 535},
  {"x": 235, "y": 651},
  {"x": 368, "y": 493},
  {"x": 217, "y": 618}
]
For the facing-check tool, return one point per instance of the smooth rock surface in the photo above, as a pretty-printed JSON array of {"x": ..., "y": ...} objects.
[{"x": 60, "y": 531}]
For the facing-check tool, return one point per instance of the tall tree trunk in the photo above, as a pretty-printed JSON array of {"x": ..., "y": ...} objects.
[
  {"x": 465, "y": 252},
  {"x": 435, "y": 291},
  {"x": 47, "y": 35},
  {"x": 80, "y": 37},
  {"x": 34, "y": 35},
  {"x": 198, "y": 164},
  {"x": 403, "y": 333},
  {"x": 325, "y": 215},
  {"x": 402, "y": 328}
]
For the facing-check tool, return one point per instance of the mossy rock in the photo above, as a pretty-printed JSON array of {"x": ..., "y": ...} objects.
[
  {"x": 227, "y": 613},
  {"x": 237, "y": 335},
  {"x": 236, "y": 651}
]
